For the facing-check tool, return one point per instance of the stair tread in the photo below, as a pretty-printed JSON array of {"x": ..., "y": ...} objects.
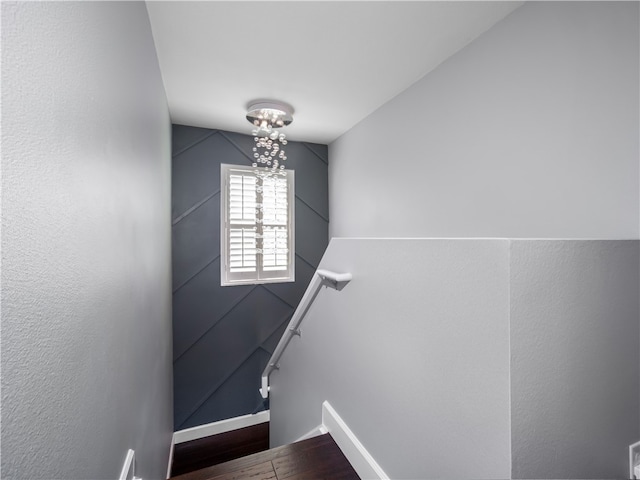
[
  {"x": 216, "y": 449},
  {"x": 261, "y": 471},
  {"x": 317, "y": 457}
]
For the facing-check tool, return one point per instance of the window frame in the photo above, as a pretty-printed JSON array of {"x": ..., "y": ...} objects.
[{"x": 259, "y": 276}]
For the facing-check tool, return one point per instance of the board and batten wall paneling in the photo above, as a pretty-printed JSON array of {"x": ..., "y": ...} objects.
[{"x": 224, "y": 336}]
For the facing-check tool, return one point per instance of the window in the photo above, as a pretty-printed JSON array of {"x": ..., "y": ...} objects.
[{"x": 257, "y": 227}]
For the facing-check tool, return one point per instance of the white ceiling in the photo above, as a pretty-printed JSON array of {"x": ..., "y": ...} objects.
[{"x": 334, "y": 62}]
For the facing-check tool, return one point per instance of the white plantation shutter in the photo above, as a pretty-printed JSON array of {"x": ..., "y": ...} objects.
[
  {"x": 242, "y": 199},
  {"x": 274, "y": 222},
  {"x": 275, "y": 249},
  {"x": 242, "y": 211},
  {"x": 242, "y": 250},
  {"x": 274, "y": 201},
  {"x": 257, "y": 229}
]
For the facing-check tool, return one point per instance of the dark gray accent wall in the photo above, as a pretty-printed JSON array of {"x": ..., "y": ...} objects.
[{"x": 224, "y": 336}]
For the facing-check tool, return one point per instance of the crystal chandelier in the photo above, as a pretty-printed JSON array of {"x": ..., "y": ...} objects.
[{"x": 268, "y": 152}]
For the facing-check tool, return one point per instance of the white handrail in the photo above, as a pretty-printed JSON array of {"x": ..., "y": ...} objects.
[{"x": 321, "y": 278}]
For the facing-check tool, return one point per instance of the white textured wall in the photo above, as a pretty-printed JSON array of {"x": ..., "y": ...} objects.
[
  {"x": 413, "y": 354},
  {"x": 473, "y": 358},
  {"x": 575, "y": 358},
  {"x": 86, "y": 296},
  {"x": 530, "y": 131}
]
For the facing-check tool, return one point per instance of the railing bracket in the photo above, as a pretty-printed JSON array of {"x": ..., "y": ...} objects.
[{"x": 296, "y": 331}]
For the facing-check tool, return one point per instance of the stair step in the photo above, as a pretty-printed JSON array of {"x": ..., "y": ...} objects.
[
  {"x": 220, "y": 448},
  {"x": 314, "y": 458}
]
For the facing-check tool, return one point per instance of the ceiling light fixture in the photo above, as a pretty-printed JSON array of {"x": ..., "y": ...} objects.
[{"x": 268, "y": 118}]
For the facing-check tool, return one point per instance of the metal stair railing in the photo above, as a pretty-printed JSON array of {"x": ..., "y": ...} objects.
[{"x": 321, "y": 278}]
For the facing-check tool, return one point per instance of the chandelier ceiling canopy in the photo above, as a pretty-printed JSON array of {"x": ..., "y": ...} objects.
[{"x": 267, "y": 118}]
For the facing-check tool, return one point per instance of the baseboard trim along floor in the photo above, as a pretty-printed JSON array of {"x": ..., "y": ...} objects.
[
  {"x": 358, "y": 456},
  {"x": 171, "y": 449},
  {"x": 222, "y": 426},
  {"x": 362, "y": 461},
  {"x": 319, "y": 430}
]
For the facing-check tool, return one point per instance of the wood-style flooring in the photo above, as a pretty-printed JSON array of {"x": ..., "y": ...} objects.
[
  {"x": 315, "y": 458},
  {"x": 208, "y": 451}
]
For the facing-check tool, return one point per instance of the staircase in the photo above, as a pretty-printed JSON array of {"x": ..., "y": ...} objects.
[{"x": 314, "y": 458}]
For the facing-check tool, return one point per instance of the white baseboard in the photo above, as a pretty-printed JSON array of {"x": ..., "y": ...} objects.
[
  {"x": 634, "y": 460},
  {"x": 222, "y": 426},
  {"x": 363, "y": 463},
  {"x": 128, "y": 472},
  {"x": 319, "y": 430},
  {"x": 171, "y": 448}
]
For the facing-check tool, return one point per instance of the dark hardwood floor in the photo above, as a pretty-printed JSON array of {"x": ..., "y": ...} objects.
[
  {"x": 315, "y": 458},
  {"x": 204, "y": 452}
]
